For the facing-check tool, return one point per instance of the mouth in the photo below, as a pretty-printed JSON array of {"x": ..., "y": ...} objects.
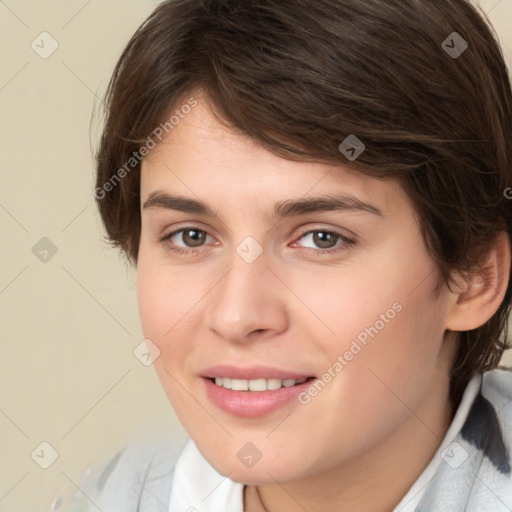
[{"x": 253, "y": 392}]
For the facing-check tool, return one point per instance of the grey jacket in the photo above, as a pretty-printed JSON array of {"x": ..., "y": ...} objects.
[{"x": 475, "y": 475}]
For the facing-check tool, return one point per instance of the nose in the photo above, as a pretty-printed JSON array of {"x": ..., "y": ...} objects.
[{"x": 247, "y": 303}]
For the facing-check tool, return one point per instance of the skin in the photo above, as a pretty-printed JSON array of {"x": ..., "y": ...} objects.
[{"x": 378, "y": 423}]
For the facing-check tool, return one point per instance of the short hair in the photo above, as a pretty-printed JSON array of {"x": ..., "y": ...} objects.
[{"x": 423, "y": 84}]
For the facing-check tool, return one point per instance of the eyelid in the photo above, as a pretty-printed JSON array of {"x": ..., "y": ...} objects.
[
  {"x": 345, "y": 233},
  {"x": 183, "y": 226}
]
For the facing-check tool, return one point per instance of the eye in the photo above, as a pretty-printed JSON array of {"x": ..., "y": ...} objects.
[
  {"x": 327, "y": 241},
  {"x": 191, "y": 237}
]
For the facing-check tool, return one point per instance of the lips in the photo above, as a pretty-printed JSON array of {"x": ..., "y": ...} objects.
[
  {"x": 253, "y": 404},
  {"x": 255, "y": 391}
]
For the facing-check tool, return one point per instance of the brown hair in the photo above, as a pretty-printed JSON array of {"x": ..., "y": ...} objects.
[{"x": 298, "y": 77}]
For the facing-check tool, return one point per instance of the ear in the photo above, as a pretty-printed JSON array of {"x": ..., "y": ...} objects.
[{"x": 478, "y": 297}]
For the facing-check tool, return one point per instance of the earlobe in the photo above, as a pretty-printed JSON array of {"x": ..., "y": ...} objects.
[{"x": 480, "y": 295}]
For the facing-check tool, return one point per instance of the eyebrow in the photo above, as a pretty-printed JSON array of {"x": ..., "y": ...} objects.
[{"x": 287, "y": 208}]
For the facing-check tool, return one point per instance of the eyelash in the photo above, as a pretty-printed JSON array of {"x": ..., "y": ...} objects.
[{"x": 346, "y": 242}]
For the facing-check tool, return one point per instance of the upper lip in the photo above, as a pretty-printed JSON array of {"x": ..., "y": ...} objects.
[{"x": 252, "y": 372}]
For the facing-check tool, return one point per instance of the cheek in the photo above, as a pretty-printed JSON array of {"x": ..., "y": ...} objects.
[
  {"x": 154, "y": 305},
  {"x": 394, "y": 367},
  {"x": 163, "y": 315},
  {"x": 386, "y": 306},
  {"x": 164, "y": 297},
  {"x": 161, "y": 308},
  {"x": 384, "y": 346},
  {"x": 375, "y": 390}
]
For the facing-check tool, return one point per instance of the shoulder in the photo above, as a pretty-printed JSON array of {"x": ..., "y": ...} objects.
[
  {"x": 489, "y": 432},
  {"x": 489, "y": 424},
  {"x": 499, "y": 380},
  {"x": 497, "y": 388},
  {"x": 138, "y": 476},
  {"x": 475, "y": 473}
]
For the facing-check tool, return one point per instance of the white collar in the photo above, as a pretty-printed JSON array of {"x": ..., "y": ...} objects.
[{"x": 198, "y": 487}]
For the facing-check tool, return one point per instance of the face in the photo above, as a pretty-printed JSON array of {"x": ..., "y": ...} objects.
[{"x": 306, "y": 283}]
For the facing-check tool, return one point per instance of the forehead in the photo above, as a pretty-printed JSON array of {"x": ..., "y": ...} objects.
[{"x": 200, "y": 156}]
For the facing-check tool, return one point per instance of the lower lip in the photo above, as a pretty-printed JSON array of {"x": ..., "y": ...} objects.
[{"x": 252, "y": 404}]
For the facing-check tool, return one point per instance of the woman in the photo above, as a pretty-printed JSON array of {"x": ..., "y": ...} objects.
[{"x": 314, "y": 196}]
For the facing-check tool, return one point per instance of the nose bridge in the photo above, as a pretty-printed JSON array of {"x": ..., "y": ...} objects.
[
  {"x": 242, "y": 301},
  {"x": 240, "y": 289},
  {"x": 248, "y": 267}
]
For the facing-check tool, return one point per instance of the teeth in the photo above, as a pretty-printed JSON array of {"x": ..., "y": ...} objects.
[
  {"x": 256, "y": 384},
  {"x": 274, "y": 383},
  {"x": 239, "y": 385}
]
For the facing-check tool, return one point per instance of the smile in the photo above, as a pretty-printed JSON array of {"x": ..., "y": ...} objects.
[{"x": 257, "y": 397}]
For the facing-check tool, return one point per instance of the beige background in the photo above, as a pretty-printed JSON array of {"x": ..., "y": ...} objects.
[{"x": 70, "y": 325}]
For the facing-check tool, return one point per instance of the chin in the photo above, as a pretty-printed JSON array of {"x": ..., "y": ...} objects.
[{"x": 264, "y": 471}]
